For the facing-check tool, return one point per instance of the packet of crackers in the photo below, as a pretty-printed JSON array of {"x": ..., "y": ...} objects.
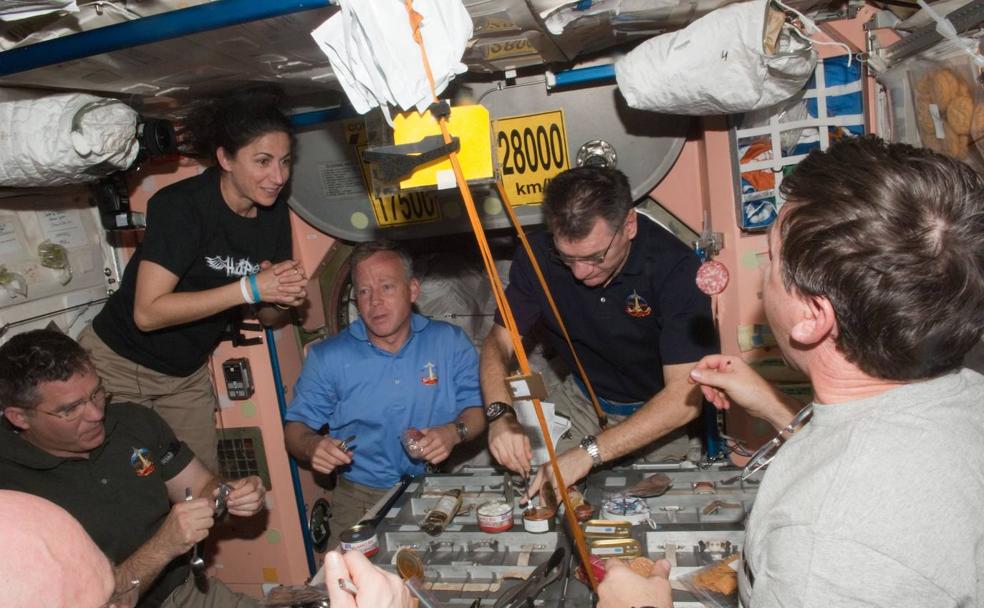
[
  {"x": 716, "y": 584},
  {"x": 949, "y": 105}
]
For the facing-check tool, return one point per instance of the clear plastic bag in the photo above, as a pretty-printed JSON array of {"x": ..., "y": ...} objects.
[
  {"x": 716, "y": 584},
  {"x": 949, "y": 105}
]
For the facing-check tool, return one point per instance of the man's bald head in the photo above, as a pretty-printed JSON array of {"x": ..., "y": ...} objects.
[{"x": 46, "y": 558}]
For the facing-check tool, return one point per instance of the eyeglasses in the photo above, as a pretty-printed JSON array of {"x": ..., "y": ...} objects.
[
  {"x": 765, "y": 454},
  {"x": 594, "y": 260},
  {"x": 125, "y": 597},
  {"x": 73, "y": 411}
]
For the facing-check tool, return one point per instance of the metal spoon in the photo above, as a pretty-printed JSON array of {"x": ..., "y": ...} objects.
[{"x": 197, "y": 563}]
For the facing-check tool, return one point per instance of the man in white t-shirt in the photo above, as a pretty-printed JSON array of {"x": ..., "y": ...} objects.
[{"x": 875, "y": 290}]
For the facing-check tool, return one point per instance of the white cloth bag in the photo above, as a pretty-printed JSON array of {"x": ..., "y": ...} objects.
[
  {"x": 371, "y": 49},
  {"x": 64, "y": 139},
  {"x": 717, "y": 65}
]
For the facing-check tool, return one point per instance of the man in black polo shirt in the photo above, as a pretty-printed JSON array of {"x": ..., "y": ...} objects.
[
  {"x": 625, "y": 288},
  {"x": 118, "y": 469}
]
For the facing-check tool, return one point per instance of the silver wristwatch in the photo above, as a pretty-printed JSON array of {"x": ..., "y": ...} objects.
[
  {"x": 462, "y": 429},
  {"x": 590, "y": 445}
]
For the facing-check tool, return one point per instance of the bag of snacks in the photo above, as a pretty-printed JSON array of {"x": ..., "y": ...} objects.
[
  {"x": 716, "y": 584},
  {"x": 949, "y": 105}
]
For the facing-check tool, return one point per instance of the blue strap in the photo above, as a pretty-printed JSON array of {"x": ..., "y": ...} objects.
[
  {"x": 254, "y": 288},
  {"x": 610, "y": 407}
]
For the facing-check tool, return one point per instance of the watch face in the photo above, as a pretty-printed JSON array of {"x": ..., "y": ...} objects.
[{"x": 494, "y": 410}]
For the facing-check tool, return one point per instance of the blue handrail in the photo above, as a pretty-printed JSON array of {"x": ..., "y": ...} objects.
[
  {"x": 315, "y": 117},
  {"x": 278, "y": 384},
  {"x": 598, "y": 74}
]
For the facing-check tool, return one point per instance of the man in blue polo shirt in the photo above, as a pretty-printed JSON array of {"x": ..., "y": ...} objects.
[
  {"x": 625, "y": 288},
  {"x": 390, "y": 371}
]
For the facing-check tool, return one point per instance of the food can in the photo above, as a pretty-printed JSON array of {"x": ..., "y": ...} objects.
[
  {"x": 360, "y": 538},
  {"x": 537, "y": 520},
  {"x": 704, "y": 487},
  {"x": 615, "y": 547},
  {"x": 408, "y": 564},
  {"x": 583, "y": 512},
  {"x": 627, "y": 508},
  {"x": 494, "y": 516},
  {"x": 607, "y": 528}
]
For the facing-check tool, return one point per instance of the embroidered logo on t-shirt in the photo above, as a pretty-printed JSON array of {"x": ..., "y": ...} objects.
[
  {"x": 636, "y": 305},
  {"x": 429, "y": 374},
  {"x": 232, "y": 268},
  {"x": 142, "y": 462}
]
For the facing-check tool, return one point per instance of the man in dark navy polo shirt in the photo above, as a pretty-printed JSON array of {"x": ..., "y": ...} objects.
[
  {"x": 625, "y": 288},
  {"x": 118, "y": 469}
]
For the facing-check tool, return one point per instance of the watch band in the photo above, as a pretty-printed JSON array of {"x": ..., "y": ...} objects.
[
  {"x": 462, "y": 429},
  {"x": 590, "y": 445}
]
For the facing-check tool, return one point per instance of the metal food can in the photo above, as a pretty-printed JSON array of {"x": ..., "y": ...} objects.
[
  {"x": 583, "y": 512},
  {"x": 615, "y": 547},
  {"x": 360, "y": 538},
  {"x": 538, "y": 520},
  {"x": 494, "y": 516},
  {"x": 408, "y": 564},
  {"x": 607, "y": 528},
  {"x": 628, "y": 508}
]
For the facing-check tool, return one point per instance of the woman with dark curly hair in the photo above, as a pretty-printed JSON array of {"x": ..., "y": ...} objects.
[{"x": 213, "y": 242}]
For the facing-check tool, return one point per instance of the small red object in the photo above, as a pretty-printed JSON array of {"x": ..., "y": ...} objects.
[
  {"x": 712, "y": 277},
  {"x": 597, "y": 567}
]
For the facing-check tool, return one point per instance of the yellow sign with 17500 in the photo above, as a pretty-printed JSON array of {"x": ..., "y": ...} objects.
[
  {"x": 392, "y": 210},
  {"x": 530, "y": 150}
]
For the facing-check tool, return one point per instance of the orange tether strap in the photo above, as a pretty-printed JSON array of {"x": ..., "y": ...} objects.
[
  {"x": 602, "y": 416},
  {"x": 500, "y": 298}
]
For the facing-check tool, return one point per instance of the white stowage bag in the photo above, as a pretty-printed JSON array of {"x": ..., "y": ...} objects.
[
  {"x": 731, "y": 60},
  {"x": 13, "y": 10},
  {"x": 64, "y": 139},
  {"x": 371, "y": 49}
]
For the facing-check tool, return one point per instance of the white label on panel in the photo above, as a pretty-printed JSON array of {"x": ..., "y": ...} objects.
[
  {"x": 62, "y": 227},
  {"x": 9, "y": 243}
]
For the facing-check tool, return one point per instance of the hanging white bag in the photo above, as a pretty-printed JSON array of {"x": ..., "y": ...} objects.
[
  {"x": 65, "y": 138},
  {"x": 737, "y": 58},
  {"x": 371, "y": 49}
]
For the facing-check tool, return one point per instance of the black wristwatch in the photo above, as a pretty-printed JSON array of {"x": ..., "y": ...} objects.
[{"x": 498, "y": 409}]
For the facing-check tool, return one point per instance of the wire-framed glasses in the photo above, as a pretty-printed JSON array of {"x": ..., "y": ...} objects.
[
  {"x": 126, "y": 595},
  {"x": 765, "y": 454},
  {"x": 594, "y": 260},
  {"x": 72, "y": 411}
]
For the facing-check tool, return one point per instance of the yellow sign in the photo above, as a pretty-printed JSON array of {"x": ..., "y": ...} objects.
[
  {"x": 405, "y": 208},
  {"x": 470, "y": 124},
  {"x": 508, "y": 48},
  {"x": 494, "y": 24},
  {"x": 531, "y": 150},
  {"x": 392, "y": 209}
]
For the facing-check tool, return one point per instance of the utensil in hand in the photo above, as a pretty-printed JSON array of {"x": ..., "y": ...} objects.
[
  {"x": 197, "y": 563},
  {"x": 346, "y": 444}
]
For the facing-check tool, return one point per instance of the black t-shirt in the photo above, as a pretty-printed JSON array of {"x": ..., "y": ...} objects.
[
  {"x": 651, "y": 314},
  {"x": 117, "y": 494},
  {"x": 195, "y": 235}
]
